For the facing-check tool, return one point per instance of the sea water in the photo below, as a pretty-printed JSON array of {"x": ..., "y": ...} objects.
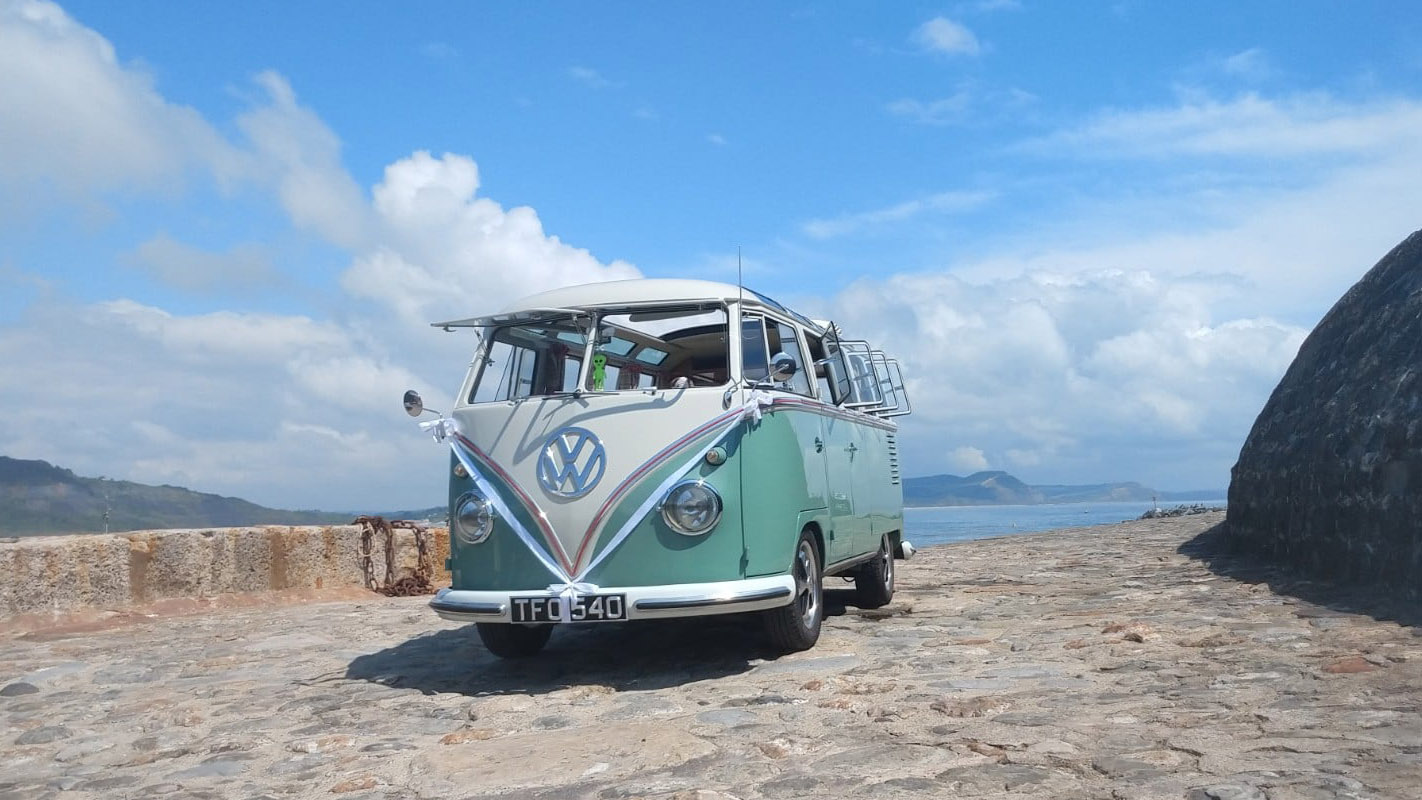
[{"x": 927, "y": 526}]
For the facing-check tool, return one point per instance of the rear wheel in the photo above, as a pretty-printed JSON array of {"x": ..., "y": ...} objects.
[
  {"x": 514, "y": 641},
  {"x": 874, "y": 582},
  {"x": 796, "y": 626}
]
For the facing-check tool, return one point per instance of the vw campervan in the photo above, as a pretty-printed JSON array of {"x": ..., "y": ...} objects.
[{"x": 666, "y": 448}]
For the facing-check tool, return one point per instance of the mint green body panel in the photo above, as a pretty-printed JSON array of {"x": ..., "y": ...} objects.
[
  {"x": 782, "y": 475},
  {"x": 878, "y": 496},
  {"x": 817, "y": 520},
  {"x": 849, "y": 501},
  {"x": 880, "y": 475},
  {"x": 655, "y": 554},
  {"x": 500, "y": 562}
]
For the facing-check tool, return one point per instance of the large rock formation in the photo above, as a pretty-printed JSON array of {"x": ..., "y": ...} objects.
[{"x": 1330, "y": 478}]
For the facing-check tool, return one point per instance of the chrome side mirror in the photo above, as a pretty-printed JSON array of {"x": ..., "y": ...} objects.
[
  {"x": 414, "y": 406},
  {"x": 782, "y": 367}
]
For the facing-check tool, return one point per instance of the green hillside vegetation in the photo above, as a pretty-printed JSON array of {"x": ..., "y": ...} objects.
[
  {"x": 39, "y": 498},
  {"x": 978, "y": 489}
]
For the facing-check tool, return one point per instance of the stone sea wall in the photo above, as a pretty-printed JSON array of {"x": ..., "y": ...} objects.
[
  {"x": 55, "y": 574},
  {"x": 1330, "y": 478}
]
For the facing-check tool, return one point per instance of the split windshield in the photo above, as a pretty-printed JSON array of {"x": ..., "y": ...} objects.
[{"x": 632, "y": 350}]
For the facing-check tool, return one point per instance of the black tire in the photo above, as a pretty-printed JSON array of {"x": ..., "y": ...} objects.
[
  {"x": 514, "y": 641},
  {"x": 874, "y": 582},
  {"x": 796, "y": 626}
]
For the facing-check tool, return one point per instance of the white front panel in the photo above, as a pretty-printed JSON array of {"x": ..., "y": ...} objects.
[{"x": 632, "y": 428}]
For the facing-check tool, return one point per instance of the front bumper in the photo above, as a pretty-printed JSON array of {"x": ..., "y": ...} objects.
[{"x": 643, "y": 602}]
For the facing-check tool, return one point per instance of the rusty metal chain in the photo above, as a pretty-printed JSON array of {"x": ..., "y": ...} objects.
[{"x": 409, "y": 585}]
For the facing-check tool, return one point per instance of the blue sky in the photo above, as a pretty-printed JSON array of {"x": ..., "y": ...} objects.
[{"x": 1095, "y": 232}]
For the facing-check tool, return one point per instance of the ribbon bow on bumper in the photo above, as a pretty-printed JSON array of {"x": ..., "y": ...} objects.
[{"x": 568, "y": 593}]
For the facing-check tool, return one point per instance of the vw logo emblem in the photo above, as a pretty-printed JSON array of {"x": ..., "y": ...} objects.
[{"x": 572, "y": 462}]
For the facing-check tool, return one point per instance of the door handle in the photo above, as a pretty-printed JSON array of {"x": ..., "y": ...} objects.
[
  {"x": 852, "y": 449},
  {"x": 819, "y": 445}
]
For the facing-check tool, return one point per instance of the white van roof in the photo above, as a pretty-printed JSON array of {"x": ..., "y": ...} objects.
[{"x": 612, "y": 294}]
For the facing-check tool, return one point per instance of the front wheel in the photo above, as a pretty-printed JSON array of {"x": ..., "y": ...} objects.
[
  {"x": 874, "y": 582},
  {"x": 796, "y": 626},
  {"x": 514, "y": 641}
]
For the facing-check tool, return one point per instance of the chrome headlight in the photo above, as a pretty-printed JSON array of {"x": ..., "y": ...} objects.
[
  {"x": 691, "y": 507},
  {"x": 473, "y": 518}
]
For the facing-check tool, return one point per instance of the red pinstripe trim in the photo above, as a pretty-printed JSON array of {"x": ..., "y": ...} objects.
[
  {"x": 642, "y": 471},
  {"x": 835, "y": 411},
  {"x": 528, "y": 504}
]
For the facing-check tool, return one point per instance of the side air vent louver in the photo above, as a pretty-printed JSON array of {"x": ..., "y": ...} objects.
[{"x": 893, "y": 459}]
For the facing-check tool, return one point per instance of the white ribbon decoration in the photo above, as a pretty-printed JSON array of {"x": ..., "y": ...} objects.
[
  {"x": 752, "y": 409},
  {"x": 568, "y": 593},
  {"x": 487, "y": 489},
  {"x": 440, "y": 429},
  {"x": 759, "y": 399},
  {"x": 570, "y": 588}
]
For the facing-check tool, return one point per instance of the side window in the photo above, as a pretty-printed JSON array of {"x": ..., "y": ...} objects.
[
  {"x": 837, "y": 368},
  {"x": 529, "y": 361},
  {"x": 754, "y": 357},
  {"x": 831, "y": 370},
  {"x": 819, "y": 365},
  {"x": 662, "y": 348},
  {"x": 507, "y": 373},
  {"x": 864, "y": 390},
  {"x": 897, "y": 380},
  {"x": 887, "y": 389},
  {"x": 783, "y": 340}
]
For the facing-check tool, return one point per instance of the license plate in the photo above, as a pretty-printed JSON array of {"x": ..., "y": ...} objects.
[{"x": 587, "y": 608}]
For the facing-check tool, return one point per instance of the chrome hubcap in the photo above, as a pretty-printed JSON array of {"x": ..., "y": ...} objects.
[
  {"x": 807, "y": 588},
  {"x": 886, "y": 564}
]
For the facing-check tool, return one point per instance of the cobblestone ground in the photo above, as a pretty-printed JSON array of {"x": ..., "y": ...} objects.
[{"x": 1090, "y": 663}]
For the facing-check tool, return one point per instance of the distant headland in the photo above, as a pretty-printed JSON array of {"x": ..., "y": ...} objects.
[
  {"x": 40, "y": 498},
  {"x": 995, "y": 487}
]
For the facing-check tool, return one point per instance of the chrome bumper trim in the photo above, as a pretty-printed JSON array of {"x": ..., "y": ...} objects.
[
  {"x": 443, "y": 606},
  {"x": 643, "y": 602},
  {"x": 702, "y": 602}
]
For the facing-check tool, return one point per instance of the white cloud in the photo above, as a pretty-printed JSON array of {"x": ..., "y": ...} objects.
[
  {"x": 213, "y": 402},
  {"x": 1249, "y": 125},
  {"x": 943, "y": 111},
  {"x": 970, "y": 103},
  {"x": 942, "y": 203},
  {"x": 243, "y": 267},
  {"x": 1252, "y": 65},
  {"x": 1328, "y": 188},
  {"x": 1088, "y": 372},
  {"x": 301, "y": 157},
  {"x": 1137, "y": 333},
  {"x": 77, "y": 123},
  {"x": 966, "y": 459},
  {"x": 716, "y": 139},
  {"x": 445, "y": 253},
  {"x": 74, "y": 121},
  {"x": 943, "y": 35},
  {"x": 281, "y": 409},
  {"x": 591, "y": 78}
]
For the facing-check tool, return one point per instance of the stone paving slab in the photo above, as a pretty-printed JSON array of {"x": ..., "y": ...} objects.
[{"x": 1089, "y": 663}]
